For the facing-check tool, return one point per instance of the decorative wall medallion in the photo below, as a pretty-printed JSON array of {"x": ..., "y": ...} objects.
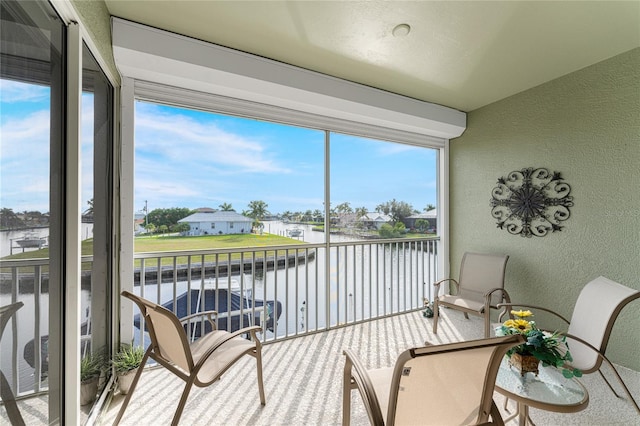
[{"x": 531, "y": 202}]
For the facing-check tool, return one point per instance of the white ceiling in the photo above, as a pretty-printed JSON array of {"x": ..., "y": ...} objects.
[{"x": 460, "y": 54}]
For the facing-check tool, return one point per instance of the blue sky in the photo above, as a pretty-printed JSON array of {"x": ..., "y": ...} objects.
[
  {"x": 200, "y": 159},
  {"x": 187, "y": 158}
]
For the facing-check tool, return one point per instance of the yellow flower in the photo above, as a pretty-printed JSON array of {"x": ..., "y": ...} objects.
[
  {"x": 510, "y": 323},
  {"x": 522, "y": 314},
  {"x": 522, "y": 326}
]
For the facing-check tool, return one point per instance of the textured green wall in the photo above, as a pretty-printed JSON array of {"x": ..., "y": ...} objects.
[
  {"x": 585, "y": 125},
  {"x": 95, "y": 17}
]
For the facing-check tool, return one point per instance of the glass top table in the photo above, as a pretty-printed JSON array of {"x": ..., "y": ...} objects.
[{"x": 549, "y": 390}]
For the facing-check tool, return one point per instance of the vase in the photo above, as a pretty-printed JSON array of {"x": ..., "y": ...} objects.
[
  {"x": 88, "y": 391},
  {"x": 125, "y": 379},
  {"x": 524, "y": 363}
]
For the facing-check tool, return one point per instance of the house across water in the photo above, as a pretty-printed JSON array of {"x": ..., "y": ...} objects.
[{"x": 217, "y": 223}]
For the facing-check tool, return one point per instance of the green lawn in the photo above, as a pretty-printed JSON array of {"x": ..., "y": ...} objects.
[
  {"x": 160, "y": 243},
  {"x": 173, "y": 243}
]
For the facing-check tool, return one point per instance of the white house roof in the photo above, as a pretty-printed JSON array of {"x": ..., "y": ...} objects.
[
  {"x": 219, "y": 216},
  {"x": 377, "y": 217},
  {"x": 431, "y": 214}
]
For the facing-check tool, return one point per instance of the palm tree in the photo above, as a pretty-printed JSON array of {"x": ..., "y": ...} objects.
[
  {"x": 308, "y": 215},
  {"x": 9, "y": 220},
  {"x": 344, "y": 208},
  {"x": 257, "y": 209},
  {"x": 226, "y": 207}
]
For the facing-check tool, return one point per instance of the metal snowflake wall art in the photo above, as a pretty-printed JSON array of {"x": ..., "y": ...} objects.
[{"x": 531, "y": 202}]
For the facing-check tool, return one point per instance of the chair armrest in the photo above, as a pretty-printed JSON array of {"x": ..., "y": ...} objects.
[
  {"x": 509, "y": 306},
  {"x": 437, "y": 286},
  {"x": 356, "y": 375},
  {"x": 208, "y": 314},
  {"x": 487, "y": 298}
]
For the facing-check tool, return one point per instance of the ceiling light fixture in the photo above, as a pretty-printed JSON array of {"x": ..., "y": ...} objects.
[{"x": 401, "y": 30}]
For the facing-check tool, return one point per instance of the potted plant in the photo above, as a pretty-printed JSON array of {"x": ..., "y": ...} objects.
[
  {"x": 125, "y": 363},
  {"x": 90, "y": 370},
  {"x": 550, "y": 348}
]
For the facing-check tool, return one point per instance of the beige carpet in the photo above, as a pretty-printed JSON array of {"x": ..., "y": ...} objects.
[{"x": 303, "y": 381}]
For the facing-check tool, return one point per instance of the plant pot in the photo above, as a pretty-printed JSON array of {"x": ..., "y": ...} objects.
[
  {"x": 125, "y": 379},
  {"x": 88, "y": 391},
  {"x": 524, "y": 363}
]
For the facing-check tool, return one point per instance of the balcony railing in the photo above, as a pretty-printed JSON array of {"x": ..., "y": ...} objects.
[
  {"x": 289, "y": 291},
  {"x": 24, "y": 346}
]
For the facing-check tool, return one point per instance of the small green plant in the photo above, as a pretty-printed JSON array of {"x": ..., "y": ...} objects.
[
  {"x": 128, "y": 358},
  {"x": 91, "y": 366}
]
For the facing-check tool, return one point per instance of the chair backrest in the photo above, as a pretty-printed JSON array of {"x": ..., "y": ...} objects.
[
  {"x": 167, "y": 335},
  {"x": 594, "y": 314},
  {"x": 447, "y": 384},
  {"x": 479, "y": 273}
]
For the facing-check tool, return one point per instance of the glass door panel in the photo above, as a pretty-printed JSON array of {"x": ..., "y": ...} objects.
[{"x": 31, "y": 208}]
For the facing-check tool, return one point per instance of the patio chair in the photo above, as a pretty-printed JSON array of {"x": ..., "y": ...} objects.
[
  {"x": 480, "y": 288},
  {"x": 8, "y": 398},
  {"x": 432, "y": 385},
  {"x": 199, "y": 363},
  {"x": 594, "y": 314}
]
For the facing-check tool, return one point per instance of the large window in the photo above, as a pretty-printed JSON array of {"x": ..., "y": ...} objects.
[
  {"x": 358, "y": 213},
  {"x": 192, "y": 164}
]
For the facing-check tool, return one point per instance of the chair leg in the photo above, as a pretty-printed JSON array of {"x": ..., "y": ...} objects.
[
  {"x": 496, "y": 418},
  {"x": 260, "y": 383},
  {"x": 183, "y": 401},
  {"x": 487, "y": 325},
  {"x": 346, "y": 395},
  {"x": 609, "y": 384},
  {"x": 134, "y": 383},
  {"x": 624, "y": 386},
  {"x": 9, "y": 401},
  {"x": 436, "y": 315}
]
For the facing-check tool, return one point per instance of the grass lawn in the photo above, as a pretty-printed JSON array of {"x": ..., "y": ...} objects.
[
  {"x": 163, "y": 243},
  {"x": 173, "y": 243}
]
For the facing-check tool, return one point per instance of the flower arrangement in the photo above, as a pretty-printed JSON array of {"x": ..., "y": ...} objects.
[{"x": 546, "y": 347}]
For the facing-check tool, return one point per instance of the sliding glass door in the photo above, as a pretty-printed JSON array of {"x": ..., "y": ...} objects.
[
  {"x": 32, "y": 209},
  {"x": 35, "y": 206}
]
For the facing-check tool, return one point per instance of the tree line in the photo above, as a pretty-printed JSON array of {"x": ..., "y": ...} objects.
[{"x": 27, "y": 219}]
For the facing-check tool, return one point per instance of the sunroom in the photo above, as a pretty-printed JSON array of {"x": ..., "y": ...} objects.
[{"x": 112, "y": 109}]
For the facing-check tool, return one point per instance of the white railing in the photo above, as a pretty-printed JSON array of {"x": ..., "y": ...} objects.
[{"x": 306, "y": 287}]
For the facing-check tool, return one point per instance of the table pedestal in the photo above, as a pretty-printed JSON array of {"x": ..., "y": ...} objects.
[
  {"x": 522, "y": 413},
  {"x": 549, "y": 390}
]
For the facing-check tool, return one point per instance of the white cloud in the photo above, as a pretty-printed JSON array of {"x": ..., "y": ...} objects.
[
  {"x": 179, "y": 139},
  {"x": 14, "y": 91}
]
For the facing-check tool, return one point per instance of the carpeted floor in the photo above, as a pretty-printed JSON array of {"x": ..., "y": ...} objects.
[{"x": 303, "y": 381}]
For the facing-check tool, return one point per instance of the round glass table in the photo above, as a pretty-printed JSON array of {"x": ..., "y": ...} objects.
[{"x": 549, "y": 390}]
